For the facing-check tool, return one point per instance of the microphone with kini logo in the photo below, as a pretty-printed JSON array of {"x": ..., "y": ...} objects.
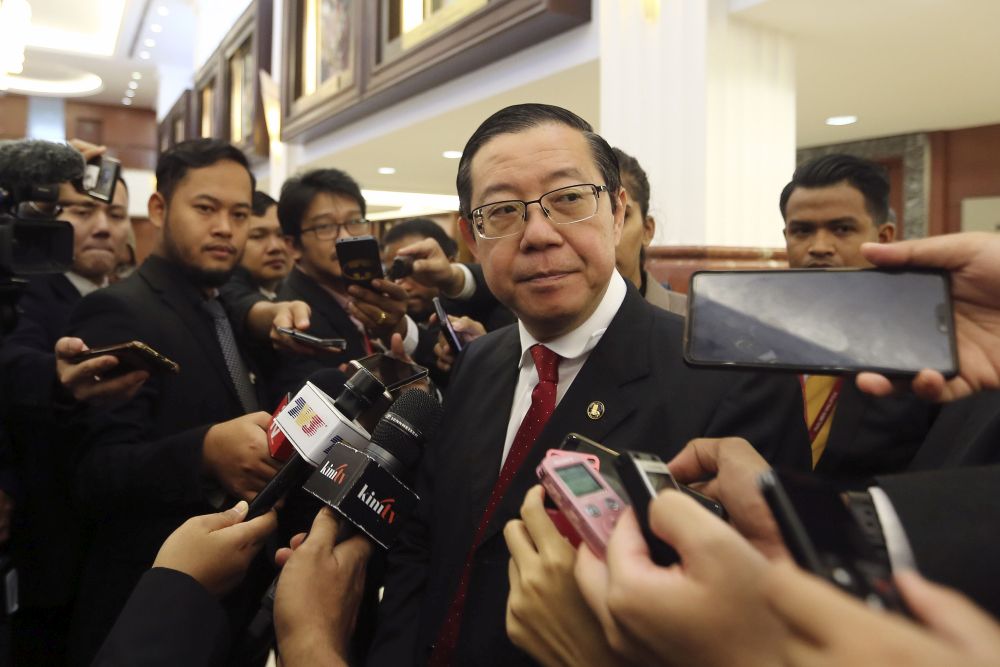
[{"x": 307, "y": 425}]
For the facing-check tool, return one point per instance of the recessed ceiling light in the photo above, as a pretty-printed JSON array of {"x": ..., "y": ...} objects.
[
  {"x": 136, "y": 75},
  {"x": 133, "y": 84},
  {"x": 162, "y": 10},
  {"x": 149, "y": 42},
  {"x": 144, "y": 55},
  {"x": 452, "y": 155},
  {"x": 129, "y": 93},
  {"x": 155, "y": 27},
  {"x": 841, "y": 120},
  {"x": 126, "y": 101},
  {"x": 386, "y": 171}
]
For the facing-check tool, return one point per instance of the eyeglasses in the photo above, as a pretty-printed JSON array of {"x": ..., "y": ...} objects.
[
  {"x": 564, "y": 206},
  {"x": 331, "y": 230}
]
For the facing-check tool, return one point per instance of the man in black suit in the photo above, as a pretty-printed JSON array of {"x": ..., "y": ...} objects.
[
  {"x": 609, "y": 360},
  {"x": 831, "y": 206},
  {"x": 186, "y": 442},
  {"x": 46, "y": 547},
  {"x": 316, "y": 209}
]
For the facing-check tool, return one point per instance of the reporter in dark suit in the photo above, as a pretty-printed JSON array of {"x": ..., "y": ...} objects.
[
  {"x": 186, "y": 441},
  {"x": 618, "y": 378}
]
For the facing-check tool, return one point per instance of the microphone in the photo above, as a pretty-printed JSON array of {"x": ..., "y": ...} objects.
[
  {"x": 32, "y": 169},
  {"x": 311, "y": 423},
  {"x": 368, "y": 487}
]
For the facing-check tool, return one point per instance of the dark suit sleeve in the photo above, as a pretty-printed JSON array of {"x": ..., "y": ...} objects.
[
  {"x": 951, "y": 518},
  {"x": 482, "y": 306},
  {"x": 238, "y": 296},
  {"x": 766, "y": 410},
  {"x": 170, "y": 619},
  {"x": 119, "y": 465},
  {"x": 27, "y": 362}
]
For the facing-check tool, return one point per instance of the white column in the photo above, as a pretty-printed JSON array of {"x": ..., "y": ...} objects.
[{"x": 706, "y": 103}]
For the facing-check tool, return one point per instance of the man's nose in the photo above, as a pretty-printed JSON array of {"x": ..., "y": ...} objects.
[
  {"x": 821, "y": 244},
  {"x": 538, "y": 229}
]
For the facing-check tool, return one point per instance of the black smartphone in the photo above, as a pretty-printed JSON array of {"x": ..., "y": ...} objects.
[
  {"x": 100, "y": 177},
  {"x": 825, "y": 539},
  {"x": 314, "y": 341},
  {"x": 608, "y": 458},
  {"x": 644, "y": 475},
  {"x": 390, "y": 371},
  {"x": 449, "y": 331},
  {"x": 827, "y": 321},
  {"x": 402, "y": 266},
  {"x": 360, "y": 261},
  {"x": 132, "y": 356}
]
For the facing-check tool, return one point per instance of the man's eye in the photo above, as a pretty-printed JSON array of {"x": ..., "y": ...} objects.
[{"x": 203, "y": 208}]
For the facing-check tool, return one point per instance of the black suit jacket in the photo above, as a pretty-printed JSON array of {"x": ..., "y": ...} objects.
[
  {"x": 140, "y": 469},
  {"x": 47, "y": 531},
  {"x": 874, "y": 435},
  {"x": 652, "y": 402},
  {"x": 327, "y": 320},
  {"x": 170, "y": 619}
]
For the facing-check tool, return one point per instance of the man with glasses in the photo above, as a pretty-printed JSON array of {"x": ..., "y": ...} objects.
[
  {"x": 542, "y": 205},
  {"x": 316, "y": 209}
]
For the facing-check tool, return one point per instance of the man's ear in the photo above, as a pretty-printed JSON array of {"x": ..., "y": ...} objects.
[
  {"x": 621, "y": 201},
  {"x": 157, "y": 209},
  {"x": 648, "y": 230},
  {"x": 886, "y": 233},
  {"x": 468, "y": 236}
]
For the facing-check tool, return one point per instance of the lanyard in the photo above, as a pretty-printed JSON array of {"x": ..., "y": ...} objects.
[{"x": 826, "y": 410}]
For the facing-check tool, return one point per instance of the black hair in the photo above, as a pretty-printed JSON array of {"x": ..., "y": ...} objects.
[
  {"x": 522, "y": 117},
  {"x": 869, "y": 178},
  {"x": 175, "y": 163},
  {"x": 261, "y": 203},
  {"x": 423, "y": 227},
  {"x": 633, "y": 173},
  {"x": 298, "y": 192}
]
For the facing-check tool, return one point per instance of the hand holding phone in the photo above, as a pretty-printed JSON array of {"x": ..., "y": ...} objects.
[
  {"x": 314, "y": 341},
  {"x": 132, "y": 356},
  {"x": 644, "y": 476},
  {"x": 360, "y": 260}
]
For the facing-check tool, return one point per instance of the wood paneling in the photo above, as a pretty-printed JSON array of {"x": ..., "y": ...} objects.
[
  {"x": 13, "y": 116},
  {"x": 129, "y": 134},
  {"x": 675, "y": 264},
  {"x": 965, "y": 163}
]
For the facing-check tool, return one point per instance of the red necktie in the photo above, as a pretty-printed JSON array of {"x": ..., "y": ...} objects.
[{"x": 543, "y": 403}]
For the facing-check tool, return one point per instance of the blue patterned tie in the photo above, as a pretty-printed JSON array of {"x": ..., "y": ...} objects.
[{"x": 234, "y": 362}]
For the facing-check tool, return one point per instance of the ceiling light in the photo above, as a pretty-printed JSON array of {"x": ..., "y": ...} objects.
[
  {"x": 126, "y": 101},
  {"x": 144, "y": 55},
  {"x": 452, "y": 155},
  {"x": 97, "y": 37},
  {"x": 136, "y": 75},
  {"x": 133, "y": 84},
  {"x": 162, "y": 10},
  {"x": 149, "y": 42},
  {"x": 129, "y": 93},
  {"x": 386, "y": 171},
  {"x": 841, "y": 120},
  {"x": 155, "y": 27}
]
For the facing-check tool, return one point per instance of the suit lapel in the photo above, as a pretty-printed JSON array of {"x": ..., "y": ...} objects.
[
  {"x": 608, "y": 377},
  {"x": 173, "y": 290}
]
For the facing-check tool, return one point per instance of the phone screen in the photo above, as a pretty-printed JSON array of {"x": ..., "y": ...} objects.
[
  {"x": 392, "y": 372},
  {"x": 449, "y": 331},
  {"x": 895, "y": 322}
]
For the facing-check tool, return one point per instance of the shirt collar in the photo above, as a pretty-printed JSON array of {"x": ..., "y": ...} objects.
[
  {"x": 84, "y": 285},
  {"x": 585, "y": 337}
]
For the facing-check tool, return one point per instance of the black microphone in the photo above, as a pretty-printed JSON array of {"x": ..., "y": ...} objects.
[
  {"x": 32, "y": 169},
  {"x": 369, "y": 487},
  {"x": 312, "y": 423}
]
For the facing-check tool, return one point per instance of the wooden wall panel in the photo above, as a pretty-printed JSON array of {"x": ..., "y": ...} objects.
[
  {"x": 13, "y": 116},
  {"x": 129, "y": 134},
  {"x": 970, "y": 166}
]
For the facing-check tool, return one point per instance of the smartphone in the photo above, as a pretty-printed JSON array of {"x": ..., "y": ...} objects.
[
  {"x": 100, "y": 177},
  {"x": 132, "y": 356},
  {"x": 824, "y": 537},
  {"x": 402, "y": 266},
  {"x": 390, "y": 371},
  {"x": 449, "y": 331},
  {"x": 609, "y": 469},
  {"x": 583, "y": 496},
  {"x": 360, "y": 260},
  {"x": 644, "y": 476},
  {"x": 303, "y": 337},
  {"x": 825, "y": 321}
]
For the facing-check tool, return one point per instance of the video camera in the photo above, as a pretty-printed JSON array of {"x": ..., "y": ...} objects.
[{"x": 32, "y": 241}]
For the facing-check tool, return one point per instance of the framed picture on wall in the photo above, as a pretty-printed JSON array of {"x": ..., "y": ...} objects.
[{"x": 245, "y": 52}]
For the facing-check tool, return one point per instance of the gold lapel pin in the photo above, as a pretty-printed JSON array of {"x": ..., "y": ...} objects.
[{"x": 595, "y": 410}]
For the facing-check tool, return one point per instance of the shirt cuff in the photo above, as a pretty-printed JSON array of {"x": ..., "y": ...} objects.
[
  {"x": 412, "y": 338},
  {"x": 468, "y": 289},
  {"x": 900, "y": 553}
]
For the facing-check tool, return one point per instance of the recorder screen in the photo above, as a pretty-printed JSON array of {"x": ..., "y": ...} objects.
[{"x": 578, "y": 479}]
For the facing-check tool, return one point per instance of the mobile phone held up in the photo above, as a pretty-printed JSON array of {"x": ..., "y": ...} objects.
[
  {"x": 360, "y": 261},
  {"x": 100, "y": 177},
  {"x": 446, "y": 328},
  {"x": 824, "y": 321},
  {"x": 314, "y": 341},
  {"x": 132, "y": 356}
]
